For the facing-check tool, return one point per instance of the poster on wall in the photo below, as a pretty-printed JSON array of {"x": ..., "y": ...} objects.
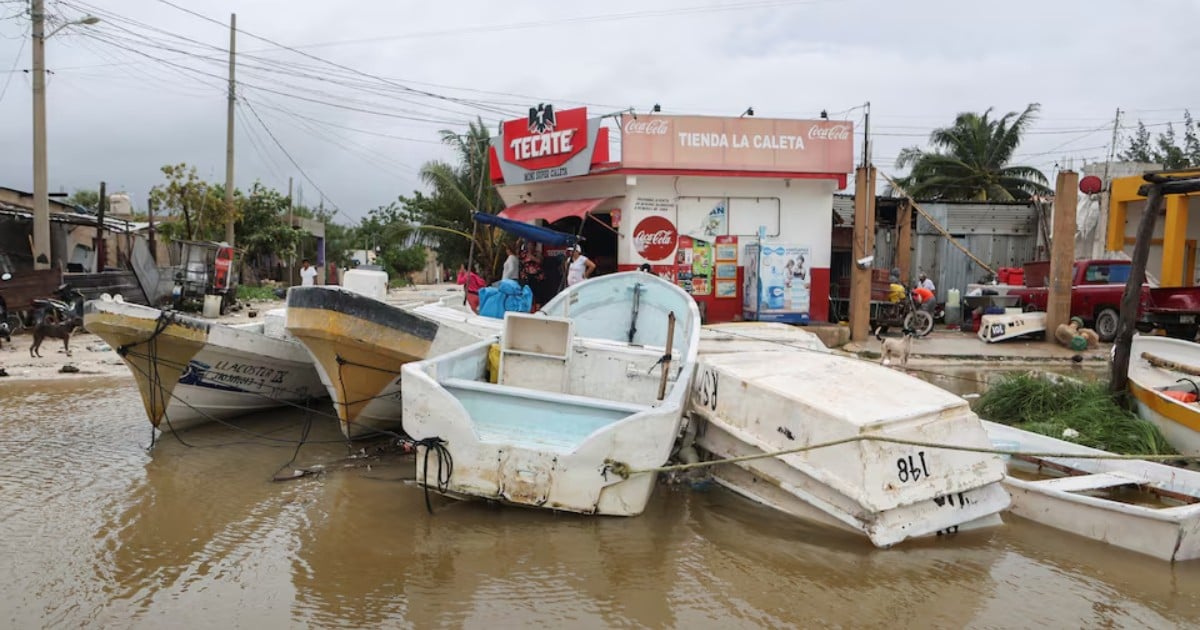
[
  {"x": 703, "y": 218},
  {"x": 777, "y": 282},
  {"x": 725, "y": 267},
  {"x": 684, "y": 258}
]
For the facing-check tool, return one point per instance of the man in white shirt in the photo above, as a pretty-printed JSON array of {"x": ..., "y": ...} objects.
[{"x": 308, "y": 274}]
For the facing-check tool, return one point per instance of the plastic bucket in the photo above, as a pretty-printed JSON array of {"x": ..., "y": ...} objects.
[{"x": 212, "y": 306}]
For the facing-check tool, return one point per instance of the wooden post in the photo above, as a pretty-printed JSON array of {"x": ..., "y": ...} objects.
[
  {"x": 1119, "y": 379},
  {"x": 904, "y": 240},
  {"x": 1062, "y": 252},
  {"x": 99, "y": 249},
  {"x": 150, "y": 230},
  {"x": 864, "y": 245}
]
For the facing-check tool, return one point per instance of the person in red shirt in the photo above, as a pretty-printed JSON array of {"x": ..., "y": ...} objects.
[{"x": 472, "y": 283}]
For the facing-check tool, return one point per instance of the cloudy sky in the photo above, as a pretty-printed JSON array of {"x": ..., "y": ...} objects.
[{"x": 353, "y": 109}]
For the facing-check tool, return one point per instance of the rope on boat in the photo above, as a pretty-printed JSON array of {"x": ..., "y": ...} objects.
[
  {"x": 437, "y": 446},
  {"x": 625, "y": 471}
]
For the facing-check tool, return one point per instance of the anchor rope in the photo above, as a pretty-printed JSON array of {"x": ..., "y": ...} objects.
[{"x": 625, "y": 471}]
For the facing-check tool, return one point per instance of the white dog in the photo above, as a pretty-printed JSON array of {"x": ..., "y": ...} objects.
[{"x": 895, "y": 349}]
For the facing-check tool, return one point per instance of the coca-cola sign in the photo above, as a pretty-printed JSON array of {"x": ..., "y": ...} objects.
[
  {"x": 654, "y": 238},
  {"x": 737, "y": 144},
  {"x": 836, "y": 132},
  {"x": 649, "y": 127}
]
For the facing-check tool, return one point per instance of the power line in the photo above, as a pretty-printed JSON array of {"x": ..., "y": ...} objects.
[
  {"x": 16, "y": 60},
  {"x": 289, "y": 155}
]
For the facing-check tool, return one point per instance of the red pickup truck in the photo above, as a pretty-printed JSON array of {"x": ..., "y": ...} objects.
[{"x": 1096, "y": 290}]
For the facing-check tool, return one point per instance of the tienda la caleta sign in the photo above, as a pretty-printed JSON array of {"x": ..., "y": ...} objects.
[
  {"x": 737, "y": 144},
  {"x": 547, "y": 144}
]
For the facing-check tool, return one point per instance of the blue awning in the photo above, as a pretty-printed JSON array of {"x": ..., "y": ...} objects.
[{"x": 527, "y": 231}]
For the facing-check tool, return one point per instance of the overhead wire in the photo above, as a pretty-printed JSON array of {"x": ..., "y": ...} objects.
[
  {"x": 289, "y": 156},
  {"x": 16, "y": 60}
]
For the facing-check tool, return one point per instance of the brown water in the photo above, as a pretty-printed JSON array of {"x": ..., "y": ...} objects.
[{"x": 96, "y": 532}]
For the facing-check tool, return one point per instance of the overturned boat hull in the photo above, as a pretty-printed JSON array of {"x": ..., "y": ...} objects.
[
  {"x": 358, "y": 345},
  {"x": 754, "y": 404},
  {"x": 190, "y": 371}
]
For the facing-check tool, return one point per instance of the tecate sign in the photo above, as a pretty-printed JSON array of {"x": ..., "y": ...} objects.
[
  {"x": 545, "y": 139},
  {"x": 654, "y": 238},
  {"x": 737, "y": 144}
]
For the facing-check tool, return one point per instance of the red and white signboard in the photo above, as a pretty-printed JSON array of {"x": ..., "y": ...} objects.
[
  {"x": 546, "y": 138},
  {"x": 654, "y": 238},
  {"x": 737, "y": 144}
]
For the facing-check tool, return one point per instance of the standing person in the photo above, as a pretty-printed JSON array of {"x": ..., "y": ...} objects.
[
  {"x": 308, "y": 274},
  {"x": 472, "y": 283},
  {"x": 580, "y": 267},
  {"x": 512, "y": 266},
  {"x": 927, "y": 284}
]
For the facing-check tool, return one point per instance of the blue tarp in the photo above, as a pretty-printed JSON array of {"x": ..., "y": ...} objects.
[
  {"x": 527, "y": 231},
  {"x": 507, "y": 296}
]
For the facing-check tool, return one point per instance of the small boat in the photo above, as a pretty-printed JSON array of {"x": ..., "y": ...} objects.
[
  {"x": 754, "y": 336},
  {"x": 754, "y": 403},
  {"x": 993, "y": 328},
  {"x": 599, "y": 375},
  {"x": 1164, "y": 374},
  {"x": 1137, "y": 505},
  {"x": 358, "y": 344},
  {"x": 191, "y": 371}
]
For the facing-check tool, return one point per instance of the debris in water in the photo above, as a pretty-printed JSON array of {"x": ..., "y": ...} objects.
[
  {"x": 100, "y": 347},
  {"x": 3, "y": 372},
  {"x": 68, "y": 369}
]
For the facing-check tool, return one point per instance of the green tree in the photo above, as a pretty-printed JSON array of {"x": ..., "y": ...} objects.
[
  {"x": 86, "y": 198},
  {"x": 185, "y": 196},
  {"x": 971, "y": 160},
  {"x": 263, "y": 229},
  {"x": 1166, "y": 148}
]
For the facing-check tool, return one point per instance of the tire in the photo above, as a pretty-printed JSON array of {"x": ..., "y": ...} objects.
[
  {"x": 1107, "y": 321},
  {"x": 15, "y": 325},
  {"x": 1030, "y": 308},
  {"x": 920, "y": 322}
]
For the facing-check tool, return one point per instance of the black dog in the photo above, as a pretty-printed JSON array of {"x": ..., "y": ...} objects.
[{"x": 56, "y": 331}]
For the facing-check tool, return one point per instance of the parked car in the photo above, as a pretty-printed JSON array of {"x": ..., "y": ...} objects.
[{"x": 1096, "y": 290}]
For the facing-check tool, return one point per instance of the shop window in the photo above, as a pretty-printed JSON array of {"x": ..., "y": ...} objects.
[{"x": 747, "y": 214}]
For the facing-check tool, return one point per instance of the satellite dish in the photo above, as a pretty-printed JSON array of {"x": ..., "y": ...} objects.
[{"x": 1090, "y": 185}]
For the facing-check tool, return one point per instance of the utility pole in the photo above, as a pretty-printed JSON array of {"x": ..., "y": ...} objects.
[
  {"x": 41, "y": 185},
  {"x": 1098, "y": 241},
  {"x": 229, "y": 132},
  {"x": 291, "y": 262},
  {"x": 153, "y": 245},
  {"x": 1062, "y": 253},
  {"x": 101, "y": 254}
]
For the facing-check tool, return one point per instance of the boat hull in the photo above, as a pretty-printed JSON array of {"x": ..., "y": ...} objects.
[
  {"x": 190, "y": 372},
  {"x": 1179, "y": 422},
  {"x": 753, "y": 403},
  {"x": 358, "y": 345},
  {"x": 1075, "y": 503}
]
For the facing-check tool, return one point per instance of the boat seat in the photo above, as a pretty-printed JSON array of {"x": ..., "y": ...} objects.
[
  {"x": 1087, "y": 482},
  {"x": 539, "y": 395}
]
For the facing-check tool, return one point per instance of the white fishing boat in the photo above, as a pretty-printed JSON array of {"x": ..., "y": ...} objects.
[
  {"x": 599, "y": 375},
  {"x": 191, "y": 371},
  {"x": 1164, "y": 374},
  {"x": 755, "y": 403},
  {"x": 1133, "y": 504},
  {"x": 1011, "y": 325}
]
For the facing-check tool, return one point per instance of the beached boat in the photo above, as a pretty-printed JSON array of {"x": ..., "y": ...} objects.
[
  {"x": 599, "y": 375},
  {"x": 755, "y": 403},
  {"x": 191, "y": 371},
  {"x": 993, "y": 328},
  {"x": 1137, "y": 505},
  {"x": 1164, "y": 378},
  {"x": 358, "y": 344}
]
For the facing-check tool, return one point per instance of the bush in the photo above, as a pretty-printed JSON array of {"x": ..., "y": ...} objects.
[{"x": 247, "y": 293}]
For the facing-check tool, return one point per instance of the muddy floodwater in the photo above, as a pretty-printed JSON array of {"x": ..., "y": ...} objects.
[{"x": 97, "y": 532}]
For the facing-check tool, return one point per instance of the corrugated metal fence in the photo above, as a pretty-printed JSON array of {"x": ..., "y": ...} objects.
[{"x": 1002, "y": 235}]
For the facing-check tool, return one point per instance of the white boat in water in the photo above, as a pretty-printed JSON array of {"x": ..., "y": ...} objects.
[
  {"x": 1164, "y": 378},
  {"x": 358, "y": 344},
  {"x": 191, "y": 371},
  {"x": 765, "y": 402},
  {"x": 599, "y": 375},
  {"x": 1133, "y": 504}
]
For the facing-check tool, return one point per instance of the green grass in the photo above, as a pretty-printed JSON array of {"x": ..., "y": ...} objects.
[
  {"x": 246, "y": 293},
  {"x": 1049, "y": 407}
]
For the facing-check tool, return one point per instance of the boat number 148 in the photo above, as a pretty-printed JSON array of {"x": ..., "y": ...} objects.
[{"x": 910, "y": 469}]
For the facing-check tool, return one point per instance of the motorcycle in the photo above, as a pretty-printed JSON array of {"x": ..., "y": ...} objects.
[
  {"x": 6, "y": 327},
  {"x": 66, "y": 304}
]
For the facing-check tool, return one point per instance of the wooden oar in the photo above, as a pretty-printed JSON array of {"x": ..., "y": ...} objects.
[
  {"x": 1170, "y": 365},
  {"x": 666, "y": 360}
]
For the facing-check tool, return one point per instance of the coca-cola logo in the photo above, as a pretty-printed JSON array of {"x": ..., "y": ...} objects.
[
  {"x": 834, "y": 132},
  {"x": 654, "y": 238},
  {"x": 650, "y": 127}
]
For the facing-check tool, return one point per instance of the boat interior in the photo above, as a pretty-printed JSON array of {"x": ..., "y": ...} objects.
[{"x": 1107, "y": 485}]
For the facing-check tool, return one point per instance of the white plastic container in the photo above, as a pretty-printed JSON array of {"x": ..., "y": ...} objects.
[
  {"x": 212, "y": 306},
  {"x": 372, "y": 283}
]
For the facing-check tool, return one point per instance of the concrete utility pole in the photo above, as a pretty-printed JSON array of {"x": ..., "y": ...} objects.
[
  {"x": 101, "y": 254},
  {"x": 229, "y": 132},
  {"x": 41, "y": 178},
  {"x": 1062, "y": 252}
]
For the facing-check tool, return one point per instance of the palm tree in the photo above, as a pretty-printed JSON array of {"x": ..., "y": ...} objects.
[{"x": 970, "y": 161}]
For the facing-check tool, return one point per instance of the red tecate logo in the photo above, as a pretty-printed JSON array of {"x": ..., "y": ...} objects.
[
  {"x": 654, "y": 238},
  {"x": 545, "y": 139}
]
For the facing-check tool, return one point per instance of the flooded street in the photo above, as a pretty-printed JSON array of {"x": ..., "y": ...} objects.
[{"x": 96, "y": 532}]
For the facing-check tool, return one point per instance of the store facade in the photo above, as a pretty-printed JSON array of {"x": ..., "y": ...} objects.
[{"x": 738, "y": 211}]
